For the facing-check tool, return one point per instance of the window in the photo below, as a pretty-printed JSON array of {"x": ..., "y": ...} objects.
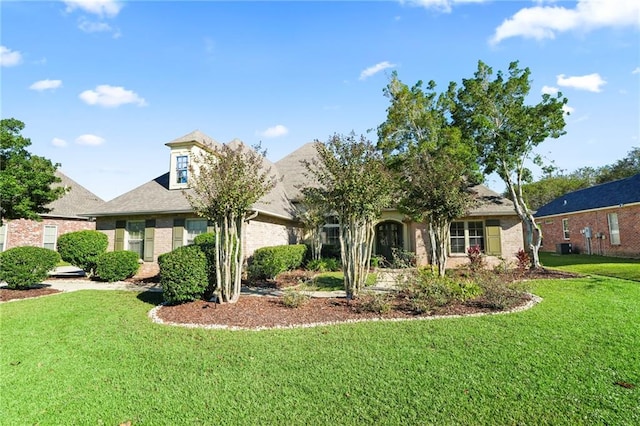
[
  {"x": 3, "y": 237},
  {"x": 193, "y": 228},
  {"x": 135, "y": 237},
  {"x": 331, "y": 232},
  {"x": 614, "y": 229},
  {"x": 466, "y": 234},
  {"x": 182, "y": 168},
  {"x": 565, "y": 228},
  {"x": 50, "y": 237}
]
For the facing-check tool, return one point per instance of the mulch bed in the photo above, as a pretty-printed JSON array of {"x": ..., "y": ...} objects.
[{"x": 7, "y": 294}]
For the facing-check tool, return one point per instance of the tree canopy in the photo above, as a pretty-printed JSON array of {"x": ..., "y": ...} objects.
[{"x": 26, "y": 179}]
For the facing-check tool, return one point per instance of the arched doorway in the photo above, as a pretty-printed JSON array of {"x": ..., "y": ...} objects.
[{"x": 388, "y": 236}]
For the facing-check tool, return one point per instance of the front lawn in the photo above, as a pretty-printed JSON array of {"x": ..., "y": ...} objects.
[
  {"x": 616, "y": 267},
  {"x": 332, "y": 281},
  {"x": 93, "y": 357}
]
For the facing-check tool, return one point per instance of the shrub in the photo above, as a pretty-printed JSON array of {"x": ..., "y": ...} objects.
[
  {"x": 426, "y": 290},
  {"x": 499, "y": 294},
  {"x": 117, "y": 265},
  {"x": 294, "y": 298},
  {"x": 22, "y": 267},
  {"x": 324, "y": 265},
  {"x": 82, "y": 248},
  {"x": 379, "y": 303},
  {"x": 268, "y": 262},
  {"x": 183, "y": 274},
  {"x": 524, "y": 261},
  {"x": 476, "y": 259},
  {"x": 207, "y": 243},
  {"x": 206, "y": 238},
  {"x": 402, "y": 258}
]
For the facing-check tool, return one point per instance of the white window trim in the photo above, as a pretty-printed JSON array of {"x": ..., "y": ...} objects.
[
  {"x": 612, "y": 231},
  {"x": 3, "y": 233},
  {"x": 467, "y": 238},
  {"x": 185, "y": 235},
  {"x": 566, "y": 235},
  {"x": 44, "y": 234}
]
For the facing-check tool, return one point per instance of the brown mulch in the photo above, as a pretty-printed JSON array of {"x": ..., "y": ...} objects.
[{"x": 7, "y": 294}]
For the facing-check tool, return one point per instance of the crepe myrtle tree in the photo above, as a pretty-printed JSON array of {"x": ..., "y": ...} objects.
[
  {"x": 492, "y": 113},
  {"x": 433, "y": 165},
  {"x": 313, "y": 216},
  {"x": 25, "y": 179},
  {"x": 224, "y": 185},
  {"x": 355, "y": 185}
]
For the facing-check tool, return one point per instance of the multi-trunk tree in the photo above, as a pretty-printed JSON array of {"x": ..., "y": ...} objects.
[
  {"x": 225, "y": 184},
  {"x": 354, "y": 185},
  {"x": 493, "y": 114}
]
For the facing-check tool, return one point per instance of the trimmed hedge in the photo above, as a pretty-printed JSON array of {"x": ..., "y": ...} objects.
[
  {"x": 117, "y": 265},
  {"x": 206, "y": 238},
  {"x": 22, "y": 267},
  {"x": 268, "y": 262},
  {"x": 82, "y": 248},
  {"x": 183, "y": 274}
]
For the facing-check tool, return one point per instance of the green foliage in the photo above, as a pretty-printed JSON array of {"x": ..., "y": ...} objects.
[
  {"x": 117, "y": 265},
  {"x": 22, "y": 267},
  {"x": 324, "y": 265},
  {"x": 293, "y": 298},
  {"x": 206, "y": 238},
  {"x": 268, "y": 262},
  {"x": 370, "y": 301},
  {"x": 401, "y": 259},
  {"x": 82, "y": 248},
  {"x": 425, "y": 289},
  {"x": 499, "y": 293},
  {"x": 26, "y": 180},
  {"x": 183, "y": 274}
]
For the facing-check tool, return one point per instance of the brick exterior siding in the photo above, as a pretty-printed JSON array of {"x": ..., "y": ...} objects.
[
  {"x": 23, "y": 232},
  {"x": 628, "y": 222}
]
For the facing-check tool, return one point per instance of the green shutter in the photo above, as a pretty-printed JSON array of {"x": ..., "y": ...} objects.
[
  {"x": 494, "y": 240},
  {"x": 210, "y": 228},
  {"x": 149, "y": 232},
  {"x": 178, "y": 233},
  {"x": 119, "y": 240}
]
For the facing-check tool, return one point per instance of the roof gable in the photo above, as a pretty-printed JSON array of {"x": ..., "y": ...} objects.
[
  {"x": 610, "y": 194},
  {"x": 76, "y": 201}
]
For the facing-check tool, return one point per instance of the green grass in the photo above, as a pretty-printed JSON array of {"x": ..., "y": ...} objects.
[
  {"x": 92, "y": 357},
  {"x": 332, "y": 281},
  {"x": 616, "y": 267}
]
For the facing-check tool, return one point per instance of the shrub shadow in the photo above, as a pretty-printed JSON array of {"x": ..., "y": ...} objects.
[{"x": 150, "y": 297}]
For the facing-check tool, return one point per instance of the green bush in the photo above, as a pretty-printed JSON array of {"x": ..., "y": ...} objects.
[
  {"x": 324, "y": 265},
  {"x": 22, "y": 267},
  {"x": 294, "y": 298},
  {"x": 117, "y": 265},
  {"x": 82, "y": 248},
  {"x": 183, "y": 274},
  {"x": 268, "y": 262},
  {"x": 425, "y": 290},
  {"x": 206, "y": 238},
  {"x": 206, "y": 243},
  {"x": 379, "y": 303},
  {"x": 498, "y": 293}
]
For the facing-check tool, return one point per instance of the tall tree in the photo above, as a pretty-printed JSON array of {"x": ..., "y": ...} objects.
[
  {"x": 626, "y": 167},
  {"x": 354, "y": 185},
  {"x": 432, "y": 164},
  {"x": 492, "y": 113},
  {"x": 25, "y": 179},
  {"x": 225, "y": 184},
  {"x": 313, "y": 215}
]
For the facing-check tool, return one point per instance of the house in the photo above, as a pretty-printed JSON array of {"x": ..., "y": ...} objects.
[
  {"x": 156, "y": 217},
  {"x": 492, "y": 223},
  {"x": 603, "y": 219},
  {"x": 65, "y": 216}
]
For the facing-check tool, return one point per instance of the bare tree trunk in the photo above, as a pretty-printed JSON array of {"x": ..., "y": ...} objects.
[
  {"x": 432, "y": 253},
  {"x": 356, "y": 244},
  {"x": 316, "y": 245},
  {"x": 441, "y": 235}
]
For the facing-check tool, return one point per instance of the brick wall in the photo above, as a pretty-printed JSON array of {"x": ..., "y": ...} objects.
[
  {"x": 23, "y": 232},
  {"x": 628, "y": 221}
]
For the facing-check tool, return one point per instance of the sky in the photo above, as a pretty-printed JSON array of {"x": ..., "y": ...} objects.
[{"x": 102, "y": 85}]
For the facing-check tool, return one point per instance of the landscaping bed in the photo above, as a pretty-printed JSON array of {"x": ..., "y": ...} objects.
[{"x": 7, "y": 294}]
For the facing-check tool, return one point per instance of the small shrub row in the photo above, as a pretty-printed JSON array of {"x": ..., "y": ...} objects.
[
  {"x": 379, "y": 303},
  {"x": 82, "y": 248},
  {"x": 268, "y": 262},
  {"x": 117, "y": 265},
  {"x": 326, "y": 264},
  {"x": 22, "y": 267},
  {"x": 426, "y": 290}
]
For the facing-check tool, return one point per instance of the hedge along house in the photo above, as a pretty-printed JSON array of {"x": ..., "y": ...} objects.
[
  {"x": 156, "y": 218},
  {"x": 603, "y": 219},
  {"x": 66, "y": 215},
  {"x": 492, "y": 224}
]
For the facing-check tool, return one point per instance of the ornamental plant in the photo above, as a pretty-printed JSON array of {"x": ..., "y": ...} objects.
[
  {"x": 82, "y": 248},
  {"x": 22, "y": 267}
]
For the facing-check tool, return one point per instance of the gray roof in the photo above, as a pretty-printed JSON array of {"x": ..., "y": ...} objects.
[
  {"x": 198, "y": 137},
  {"x": 155, "y": 197},
  {"x": 490, "y": 203},
  {"x": 74, "y": 202},
  {"x": 294, "y": 172},
  {"x": 610, "y": 194}
]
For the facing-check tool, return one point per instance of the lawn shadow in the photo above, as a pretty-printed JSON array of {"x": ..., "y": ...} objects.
[{"x": 151, "y": 297}]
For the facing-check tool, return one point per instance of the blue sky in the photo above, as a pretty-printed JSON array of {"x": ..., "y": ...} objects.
[{"x": 103, "y": 85}]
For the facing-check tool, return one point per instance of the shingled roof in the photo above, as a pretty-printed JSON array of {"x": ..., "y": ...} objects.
[
  {"x": 294, "y": 172},
  {"x": 76, "y": 201},
  {"x": 610, "y": 194},
  {"x": 198, "y": 137},
  {"x": 490, "y": 203}
]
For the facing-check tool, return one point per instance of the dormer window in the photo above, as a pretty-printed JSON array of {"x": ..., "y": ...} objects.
[{"x": 182, "y": 168}]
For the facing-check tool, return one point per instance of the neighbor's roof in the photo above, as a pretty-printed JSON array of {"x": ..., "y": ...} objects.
[
  {"x": 155, "y": 197},
  {"x": 294, "y": 171},
  {"x": 74, "y": 202},
  {"x": 610, "y": 194},
  {"x": 490, "y": 203}
]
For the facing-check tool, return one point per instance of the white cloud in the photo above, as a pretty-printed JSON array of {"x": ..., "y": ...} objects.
[
  {"x": 544, "y": 22},
  {"x": 567, "y": 109},
  {"x": 375, "y": 69},
  {"x": 274, "y": 132},
  {"x": 111, "y": 96},
  {"x": 590, "y": 82},
  {"x": 549, "y": 90},
  {"x": 94, "y": 27},
  {"x": 636, "y": 71},
  {"x": 9, "y": 58},
  {"x": 90, "y": 140},
  {"x": 46, "y": 85},
  {"x": 61, "y": 143},
  {"x": 108, "y": 8},
  {"x": 439, "y": 5}
]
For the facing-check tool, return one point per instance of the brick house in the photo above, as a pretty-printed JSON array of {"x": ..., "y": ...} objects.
[
  {"x": 603, "y": 219},
  {"x": 65, "y": 216}
]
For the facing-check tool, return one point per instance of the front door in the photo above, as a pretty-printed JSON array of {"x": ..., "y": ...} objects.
[{"x": 388, "y": 236}]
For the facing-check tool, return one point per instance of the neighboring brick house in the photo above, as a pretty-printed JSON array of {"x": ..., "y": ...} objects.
[
  {"x": 65, "y": 216},
  {"x": 156, "y": 218},
  {"x": 492, "y": 223},
  {"x": 603, "y": 219}
]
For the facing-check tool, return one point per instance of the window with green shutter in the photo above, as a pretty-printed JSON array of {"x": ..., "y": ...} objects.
[
  {"x": 149, "y": 233},
  {"x": 119, "y": 237},
  {"x": 178, "y": 233}
]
